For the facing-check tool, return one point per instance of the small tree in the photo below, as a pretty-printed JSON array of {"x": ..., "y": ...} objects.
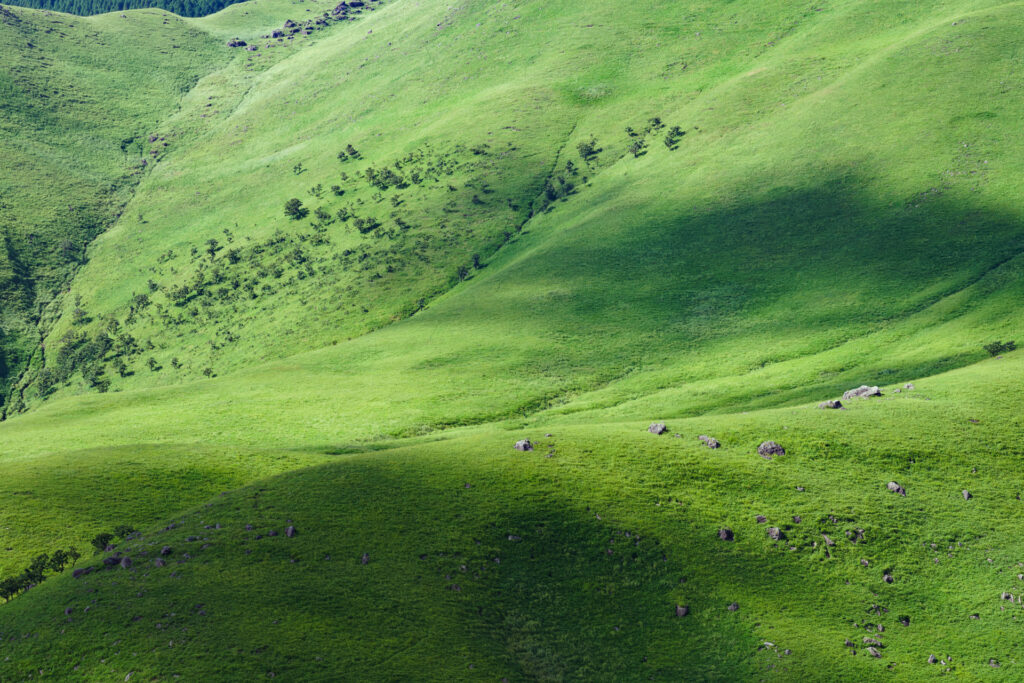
[
  {"x": 101, "y": 541},
  {"x": 294, "y": 209},
  {"x": 998, "y": 347}
]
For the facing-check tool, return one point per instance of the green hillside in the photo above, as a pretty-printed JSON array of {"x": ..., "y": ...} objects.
[{"x": 514, "y": 220}]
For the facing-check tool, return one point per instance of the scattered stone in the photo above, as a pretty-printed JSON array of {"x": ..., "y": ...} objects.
[
  {"x": 190, "y": 539},
  {"x": 158, "y": 562},
  {"x": 874, "y": 653},
  {"x": 830, "y": 405},
  {"x": 904, "y": 620},
  {"x": 725, "y": 533},
  {"x": 524, "y": 445},
  {"x": 994, "y": 663},
  {"x": 932, "y": 659},
  {"x": 657, "y": 428},
  {"x": 126, "y": 563},
  {"x": 272, "y": 532},
  {"x": 796, "y": 519},
  {"x": 111, "y": 561},
  {"x": 863, "y": 391},
  {"x": 81, "y": 571},
  {"x": 248, "y": 527},
  {"x": 68, "y": 611},
  {"x": 775, "y": 533},
  {"x": 289, "y": 532},
  {"x": 761, "y": 519},
  {"x": 733, "y": 607},
  {"x": 514, "y": 538},
  {"x": 896, "y": 488},
  {"x": 966, "y": 494},
  {"x": 975, "y": 616},
  {"x": 166, "y": 550},
  {"x": 365, "y": 559},
  {"x": 682, "y": 610},
  {"x": 769, "y": 449},
  {"x": 828, "y": 541},
  {"x": 871, "y": 641},
  {"x": 908, "y": 386},
  {"x": 848, "y": 643},
  {"x": 887, "y": 577}
]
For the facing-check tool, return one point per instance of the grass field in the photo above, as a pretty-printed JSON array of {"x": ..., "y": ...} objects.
[{"x": 554, "y": 218}]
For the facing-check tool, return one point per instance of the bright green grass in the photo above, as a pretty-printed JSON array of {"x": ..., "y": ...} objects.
[
  {"x": 840, "y": 211},
  {"x": 557, "y": 605}
]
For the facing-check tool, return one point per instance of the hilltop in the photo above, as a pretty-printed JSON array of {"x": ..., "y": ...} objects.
[{"x": 337, "y": 262}]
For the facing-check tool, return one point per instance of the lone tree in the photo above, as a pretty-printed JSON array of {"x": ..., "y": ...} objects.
[
  {"x": 998, "y": 347},
  {"x": 294, "y": 209}
]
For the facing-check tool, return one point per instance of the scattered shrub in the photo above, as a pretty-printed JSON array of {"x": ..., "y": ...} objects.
[
  {"x": 998, "y": 347},
  {"x": 294, "y": 209}
]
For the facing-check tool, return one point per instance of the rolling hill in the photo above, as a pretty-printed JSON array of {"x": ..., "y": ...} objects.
[{"x": 551, "y": 221}]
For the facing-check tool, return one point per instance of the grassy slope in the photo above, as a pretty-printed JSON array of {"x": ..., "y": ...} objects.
[
  {"x": 826, "y": 225},
  {"x": 77, "y": 98}
]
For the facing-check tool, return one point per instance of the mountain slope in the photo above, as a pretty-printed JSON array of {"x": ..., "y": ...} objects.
[{"x": 835, "y": 208}]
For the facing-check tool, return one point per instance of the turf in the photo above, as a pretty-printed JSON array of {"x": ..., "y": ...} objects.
[{"x": 835, "y": 209}]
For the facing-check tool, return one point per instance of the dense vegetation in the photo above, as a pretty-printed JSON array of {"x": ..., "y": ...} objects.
[
  {"x": 184, "y": 8},
  {"x": 278, "y": 386}
]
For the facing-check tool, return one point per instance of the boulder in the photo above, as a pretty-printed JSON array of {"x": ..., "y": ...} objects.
[
  {"x": 725, "y": 533},
  {"x": 775, "y": 533},
  {"x": 863, "y": 391},
  {"x": 657, "y": 428},
  {"x": 874, "y": 653},
  {"x": 896, "y": 488},
  {"x": 830, "y": 405},
  {"x": 523, "y": 445},
  {"x": 770, "y": 449},
  {"x": 713, "y": 443}
]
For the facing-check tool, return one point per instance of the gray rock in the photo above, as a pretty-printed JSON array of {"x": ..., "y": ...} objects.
[
  {"x": 932, "y": 659},
  {"x": 289, "y": 532},
  {"x": 166, "y": 550},
  {"x": 272, "y": 532},
  {"x": 682, "y": 610},
  {"x": 830, "y": 405},
  {"x": 874, "y": 653},
  {"x": 848, "y": 643},
  {"x": 775, "y": 533},
  {"x": 111, "y": 561},
  {"x": 159, "y": 562},
  {"x": 994, "y": 663},
  {"x": 365, "y": 559},
  {"x": 908, "y": 386},
  {"x": 523, "y": 445},
  {"x": 828, "y": 541},
  {"x": 966, "y": 494},
  {"x": 725, "y": 533},
  {"x": 657, "y": 428},
  {"x": 863, "y": 391},
  {"x": 713, "y": 443},
  {"x": 896, "y": 488},
  {"x": 770, "y": 449},
  {"x": 733, "y": 607},
  {"x": 796, "y": 519},
  {"x": 126, "y": 563},
  {"x": 761, "y": 519},
  {"x": 887, "y": 577}
]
